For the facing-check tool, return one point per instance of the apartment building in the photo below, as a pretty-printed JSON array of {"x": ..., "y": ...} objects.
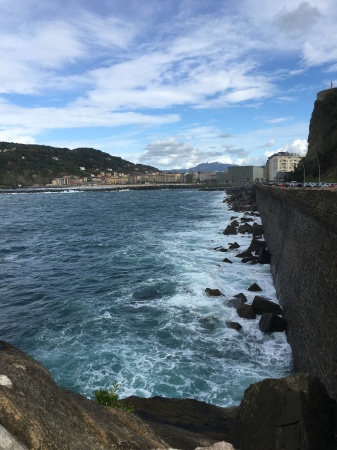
[{"x": 281, "y": 163}]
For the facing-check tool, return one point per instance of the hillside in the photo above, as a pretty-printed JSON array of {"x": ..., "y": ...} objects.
[
  {"x": 29, "y": 165},
  {"x": 322, "y": 139}
]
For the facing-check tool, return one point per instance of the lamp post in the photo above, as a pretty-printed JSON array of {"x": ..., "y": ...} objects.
[{"x": 319, "y": 171}]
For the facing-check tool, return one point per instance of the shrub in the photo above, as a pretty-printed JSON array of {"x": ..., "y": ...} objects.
[{"x": 110, "y": 398}]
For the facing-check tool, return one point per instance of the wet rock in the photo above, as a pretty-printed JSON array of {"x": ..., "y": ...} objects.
[
  {"x": 245, "y": 228},
  {"x": 220, "y": 249},
  {"x": 213, "y": 292},
  {"x": 263, "y": 305},
  {"x": 234, "y": 325},
  {"x": 270, "y": 323},
  {"x": 247, "y": 219},
  {"x": 242, "y": 296},
  {"x": 233, "y": 246},
  {"x": 257, "y": 230},
  {"x": 264, "y": 256},
  {"x": 246, "y": 312},
  {"x": 245, "y": 254},
  {"x": 254, "y": 288},
  {"x": 226, "y": 260},
  {"x": 290, "y": 413},
  {"x": 249, "y": 259},
  {"x": 230, "y": 230},
  {"x": 235, "y": 223}
]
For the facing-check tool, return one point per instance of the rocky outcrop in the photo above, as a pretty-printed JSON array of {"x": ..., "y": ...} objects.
[
  {"x": 322, "y": 139},
  {"x": 36, "y": 414},
  {"x": 292, "y": 413},
  {"x": 301, "y": 234}
]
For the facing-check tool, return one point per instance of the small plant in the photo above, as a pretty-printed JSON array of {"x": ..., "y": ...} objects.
[{"x": 110, "y": 398}]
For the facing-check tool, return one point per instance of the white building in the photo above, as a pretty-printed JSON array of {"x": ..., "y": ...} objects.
[{"x": 281, "y": 163}]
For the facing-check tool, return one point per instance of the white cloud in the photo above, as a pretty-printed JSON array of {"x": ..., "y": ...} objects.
[
  {"x": 277, "y": 120},
  {"x": 299, "y": 146}
]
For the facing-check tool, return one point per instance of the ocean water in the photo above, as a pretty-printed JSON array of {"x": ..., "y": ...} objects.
[{"x": 109, "y": 286}]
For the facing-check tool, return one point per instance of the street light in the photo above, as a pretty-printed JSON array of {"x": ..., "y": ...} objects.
[{"x": 319, "y": 171}]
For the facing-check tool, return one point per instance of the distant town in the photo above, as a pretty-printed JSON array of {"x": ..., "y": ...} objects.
[{"x": 277, "y": 169}]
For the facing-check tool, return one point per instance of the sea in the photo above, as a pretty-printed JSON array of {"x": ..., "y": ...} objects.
[{"x": 103, "y": 287}]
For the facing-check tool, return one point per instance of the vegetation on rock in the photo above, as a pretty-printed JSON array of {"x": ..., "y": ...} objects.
[{"x": 110, "y": 398}]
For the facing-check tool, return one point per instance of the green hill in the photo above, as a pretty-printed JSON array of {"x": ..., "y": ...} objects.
[{"x": 27, "y": 165}]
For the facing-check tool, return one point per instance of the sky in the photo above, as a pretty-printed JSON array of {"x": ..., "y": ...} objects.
[{"x": 167, "y": 83}]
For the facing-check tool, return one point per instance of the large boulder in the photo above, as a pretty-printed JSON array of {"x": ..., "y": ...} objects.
[
  {"x": 270, "y": 323},
  {"x": 292, "y": 413},
  {"x": 245, "y": 228},
  {"x": 246, "y": 312},
  {"x": 212, "y": 422},
  {"x": 254, "y": 288},
  {"x": 213, "y": 292},
  {"x": 264, "y": 256},
  {"x": 263, "y": 305},
  {"x": 230, "y": 230}
]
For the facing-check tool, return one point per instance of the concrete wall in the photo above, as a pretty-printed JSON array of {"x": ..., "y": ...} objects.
[{"x": 301, "y": 233}]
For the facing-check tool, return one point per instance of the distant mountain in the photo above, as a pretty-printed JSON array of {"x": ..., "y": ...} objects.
[
  {"x": 204, "y": 167},
  {"x": 38, "y": 164}
]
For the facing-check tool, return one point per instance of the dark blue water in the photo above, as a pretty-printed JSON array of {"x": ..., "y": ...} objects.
[{"x": 105, "y": 286}]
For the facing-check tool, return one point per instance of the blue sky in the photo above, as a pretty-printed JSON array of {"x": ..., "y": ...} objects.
[{"x": 171, "y": 83}]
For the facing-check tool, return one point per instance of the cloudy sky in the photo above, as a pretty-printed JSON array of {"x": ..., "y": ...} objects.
[{"x": 170, "y": 83}]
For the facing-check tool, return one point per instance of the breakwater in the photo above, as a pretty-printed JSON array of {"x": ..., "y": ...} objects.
[{"x": 301, "y": 233}]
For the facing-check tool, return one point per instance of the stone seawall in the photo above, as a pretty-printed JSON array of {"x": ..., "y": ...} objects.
[{"x": 301, "y": 234}]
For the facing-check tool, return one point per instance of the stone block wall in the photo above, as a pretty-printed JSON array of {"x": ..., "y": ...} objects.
[{"x": 301, "y": 234}]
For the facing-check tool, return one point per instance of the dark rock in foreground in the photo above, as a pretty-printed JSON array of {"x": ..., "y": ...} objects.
[
  {"x": 234, "y": 325},
  {"x": 254, "y": 288},
  {"x": 213, "y": 292},
  {"x": 270, "y": 323},
  {"x": 246, "y": 312},
  {"x": 291, "y": 413},
  {"x": 213, "y": 422},
  {"x": 263, "y": 305}
]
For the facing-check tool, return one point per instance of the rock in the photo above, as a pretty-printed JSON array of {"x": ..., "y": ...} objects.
[
  {"x": 290, "y": 413},
  {"x": 254, "y": 288},
  {"x": 264, "y": 256},
  {"x": 246, "y": 312},
  {"x": 185, "y": 415},
  {"x": 228, "y": 261},
  {"x": 245, "y": 228},
  {"x": 263, "y": 305},
  {"x": 247, "y": 219},
  {"x": 234, "y": 325},
  {"x": 230, "y": 230},
  {"x": 233, "y": 246},
  {"x": 220, "y": 249},
  {"x": 257, "y": 230},
  {"x": 245, "y": 254},
  {"x": 218, "y": 446},
  {"x": 235, "y": 223},
  {"x": 249, "y": 259},
  {"x": 270, "y": 323},
  {"x": 213, "y": 292},
  {"x": 242, "y": 296},
  {"x": 256, "y": 245}
]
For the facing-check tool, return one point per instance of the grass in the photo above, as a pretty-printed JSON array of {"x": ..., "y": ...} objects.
[{"x": 110, "y": 398}]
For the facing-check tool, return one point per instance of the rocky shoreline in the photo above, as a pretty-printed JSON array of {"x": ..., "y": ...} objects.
[{"x": 291, "y": 413}]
